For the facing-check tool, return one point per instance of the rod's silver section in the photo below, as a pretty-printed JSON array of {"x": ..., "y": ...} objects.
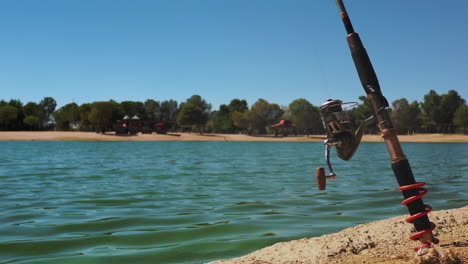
[{"x": 327, "y": 157}]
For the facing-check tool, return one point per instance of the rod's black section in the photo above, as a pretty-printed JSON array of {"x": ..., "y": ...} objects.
[
  {"x": 345, "y": 17},
  {"x": 404, "y": 176},
  {"x": 341, "y": 6},
  {"x": 366, "y": 72},
  {"x": 347, "y": 24}
]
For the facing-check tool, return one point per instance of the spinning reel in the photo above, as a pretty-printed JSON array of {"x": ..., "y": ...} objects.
[{"x": 340, "y": 133}]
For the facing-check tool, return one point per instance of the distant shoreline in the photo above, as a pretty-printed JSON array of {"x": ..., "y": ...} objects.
[{"x": 91, "y": 136}]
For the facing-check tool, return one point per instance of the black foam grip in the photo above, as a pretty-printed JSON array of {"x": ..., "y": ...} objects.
[
  {"x": 404, "y": 176},
  {"x": 366, "y": 72}
]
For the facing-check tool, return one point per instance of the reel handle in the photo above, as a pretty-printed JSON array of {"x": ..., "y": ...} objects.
[{"x": 322, "y": 179}]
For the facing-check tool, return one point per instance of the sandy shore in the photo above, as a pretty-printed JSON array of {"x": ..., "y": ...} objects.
[
  {"x": 384, "y": 241},
  {"x": 91, "y": 136}
]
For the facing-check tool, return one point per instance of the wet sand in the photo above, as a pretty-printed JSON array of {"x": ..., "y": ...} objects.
[{"x": 91, "y": 136}]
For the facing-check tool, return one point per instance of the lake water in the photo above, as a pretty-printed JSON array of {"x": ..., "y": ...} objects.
[{"x": 192, "y": 202}]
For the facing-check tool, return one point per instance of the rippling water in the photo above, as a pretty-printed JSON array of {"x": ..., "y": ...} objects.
[{"x": 192, "y": 202}]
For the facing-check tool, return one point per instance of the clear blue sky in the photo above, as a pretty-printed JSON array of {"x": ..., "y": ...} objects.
[{"x": 279, "y": 50}]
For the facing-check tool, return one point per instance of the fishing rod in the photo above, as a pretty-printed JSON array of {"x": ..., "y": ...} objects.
[{"x": 340, "y": 133}]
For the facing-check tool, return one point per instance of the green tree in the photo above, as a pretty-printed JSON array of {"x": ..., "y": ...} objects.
[
  {"x": 32, "y": 109},
  {"x": 450, "y": 101},
  {"x": 263, "y": 114},
  {"x": 432, "y": 113},
  {"x": 66, "y": 115},
  {"x": 168, "y": 112},
  {"x": 460, "y": 118},
  {"x": 242, "y": 120},
  {"x": 439, "y": 110},
  {"x": 31, "y": 121},
  {"x": 85, "y": 111},
  {"x": 48, "y": 105},
  {"x": 362, "y": 112},
  {"x": 192, "y": 116},
  {"x": 195, "y": 113},
  {"x": 405, "y": 116},
  {"x": 238, "y": 105},
  {"x": 118, "y": 111},
  {"x": 197, "y": 100},
  {"x": 17, "y": 124},
  {"x": 16, "y": 103},
  {"x": 222, "y": 120},
  {"x": 306, "y": 116},
  {"x": 152, "y": 109},
  {"x": 8, "y": 116},
  {"x": 101, "y": 115},
  {"x": 132, "y": 108}
]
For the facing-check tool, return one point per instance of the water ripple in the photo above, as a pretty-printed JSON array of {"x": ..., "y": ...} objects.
[{"x": 190, "y": 202}]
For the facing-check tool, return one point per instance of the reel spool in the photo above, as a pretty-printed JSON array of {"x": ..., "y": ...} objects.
[{"x": 340, "y": 133}]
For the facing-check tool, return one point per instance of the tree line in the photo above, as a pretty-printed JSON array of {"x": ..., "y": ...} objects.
[{"x": 445, "y": 113}]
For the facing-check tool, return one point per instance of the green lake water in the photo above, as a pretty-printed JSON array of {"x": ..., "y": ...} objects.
[{"x": 193, "y": 202}]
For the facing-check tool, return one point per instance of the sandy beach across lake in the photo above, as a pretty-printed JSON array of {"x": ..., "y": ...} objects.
[{"x": 91, "y": 136}]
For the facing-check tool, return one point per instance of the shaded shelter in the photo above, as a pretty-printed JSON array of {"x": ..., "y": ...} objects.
[{"x": 285, "y": 126}]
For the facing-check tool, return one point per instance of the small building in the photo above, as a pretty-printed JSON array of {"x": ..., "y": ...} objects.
[
  {"x": 74, "y": 125},
  {"x": 284, "y": 126},
  {"x": 133, "y": 125}
]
